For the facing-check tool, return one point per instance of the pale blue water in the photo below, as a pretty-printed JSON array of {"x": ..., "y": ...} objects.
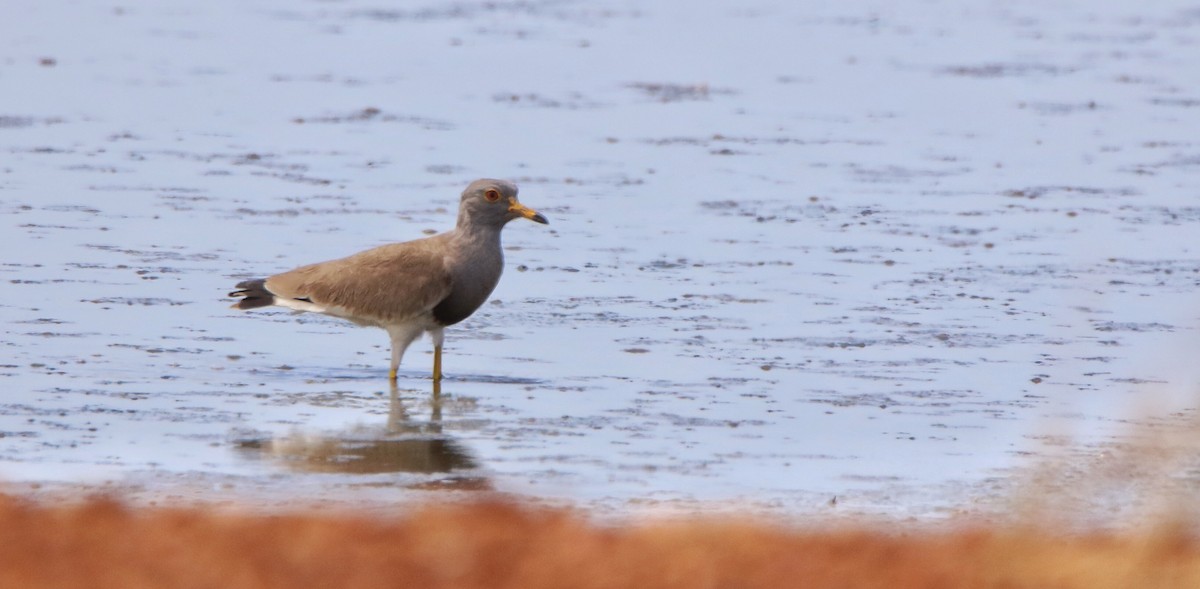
[{"x": 796, "y": 251}]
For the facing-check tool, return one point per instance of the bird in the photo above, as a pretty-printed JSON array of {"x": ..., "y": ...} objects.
[{"x": 410, "y": 288}]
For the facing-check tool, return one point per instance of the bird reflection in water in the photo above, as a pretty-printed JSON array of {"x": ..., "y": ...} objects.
[{"x": 403, "y": 445}]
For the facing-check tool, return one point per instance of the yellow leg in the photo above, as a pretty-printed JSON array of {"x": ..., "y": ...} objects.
[
  {"x": 392, "y": 375},
  {"x": 437, "y": 363}
]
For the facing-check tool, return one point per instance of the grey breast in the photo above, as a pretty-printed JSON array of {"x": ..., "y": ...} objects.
[{"x": 474, "y": 272}]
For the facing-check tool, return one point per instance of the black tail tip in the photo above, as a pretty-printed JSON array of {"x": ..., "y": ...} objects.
[
  {"x": 255, "y": 284},
  {"x": 254, "y": 294}
]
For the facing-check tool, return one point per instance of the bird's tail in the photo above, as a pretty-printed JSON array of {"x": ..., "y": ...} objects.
[{"x": 254, "y": 294}]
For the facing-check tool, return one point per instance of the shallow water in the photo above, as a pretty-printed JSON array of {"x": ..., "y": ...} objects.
[{"x": 849, "y": 257}]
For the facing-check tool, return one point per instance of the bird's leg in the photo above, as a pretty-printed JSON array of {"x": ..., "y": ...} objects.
[
  {"x": 397, "y": 352},
  {"x": 401, "y": 336},
  {"x": 438, "y": 336},
  {"x": 437, "y": 363}
]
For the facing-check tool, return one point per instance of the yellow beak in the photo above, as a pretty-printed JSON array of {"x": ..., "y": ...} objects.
[{"x": 521, "y": 210}]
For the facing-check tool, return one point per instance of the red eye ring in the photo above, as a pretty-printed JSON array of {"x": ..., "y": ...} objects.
[{"x": 491, "y": 194}]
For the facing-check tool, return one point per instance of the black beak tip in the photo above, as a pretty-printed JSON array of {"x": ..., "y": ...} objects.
[{"x": 540, "y": 218}]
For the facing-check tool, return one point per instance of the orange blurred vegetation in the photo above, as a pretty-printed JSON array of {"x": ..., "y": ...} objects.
[{"x": 101, "y": 543}]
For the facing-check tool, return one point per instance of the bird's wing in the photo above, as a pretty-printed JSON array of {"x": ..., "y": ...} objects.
[{"x": 391, "y": 283}]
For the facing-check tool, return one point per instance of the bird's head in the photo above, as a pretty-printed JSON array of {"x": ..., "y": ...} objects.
[{"x": 494, "y": 202}]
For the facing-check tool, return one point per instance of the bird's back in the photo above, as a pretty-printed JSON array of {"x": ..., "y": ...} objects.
[{"x": 382, "y": 285}]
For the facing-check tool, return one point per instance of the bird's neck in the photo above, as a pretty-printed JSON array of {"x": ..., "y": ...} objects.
[
  {"x": 476, "y": 234},
  {"x": 466, "y": 228}
]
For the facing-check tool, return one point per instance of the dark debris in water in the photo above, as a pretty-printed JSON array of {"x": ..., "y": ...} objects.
[
  {"x": 1008, "y": 70},
  {"x": 1061, "y": 108},
  {"x": 571, "y": 101},
  {"x": 693, "y": 421},
  {"x": 665, "y": 92},
  {"x": 375, "y": 115},
  {"x": 718, "y": 139},
  {"x": 143, "y": 301},
  {"x": 1033, "y": 192},
  {"x": 20, "y": 122},
  {"x": 1131, "y": 326},
  {"x": 150, "y": 349}
]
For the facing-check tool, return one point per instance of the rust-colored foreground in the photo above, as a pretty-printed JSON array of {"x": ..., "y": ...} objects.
[{"x": 101, "y": 544}]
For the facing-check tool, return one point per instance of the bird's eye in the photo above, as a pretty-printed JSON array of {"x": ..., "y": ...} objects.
[{"x": 491, "y": 194}]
